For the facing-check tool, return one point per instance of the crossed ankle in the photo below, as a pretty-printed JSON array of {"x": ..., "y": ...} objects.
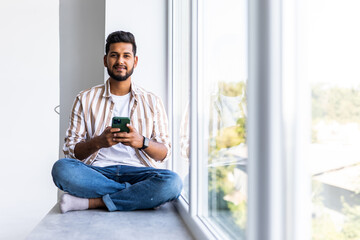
[
  {"x": 96, "y": 203},
  {"x": 72, "y": 203}
]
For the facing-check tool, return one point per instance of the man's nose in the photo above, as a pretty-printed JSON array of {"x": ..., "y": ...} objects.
[{"x": 120, "y": 60}]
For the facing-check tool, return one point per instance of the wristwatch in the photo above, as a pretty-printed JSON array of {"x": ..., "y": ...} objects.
[{"x": 145, "y": 143}]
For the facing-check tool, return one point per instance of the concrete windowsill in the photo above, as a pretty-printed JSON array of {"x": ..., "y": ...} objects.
[{"x": 163, "y": 223}]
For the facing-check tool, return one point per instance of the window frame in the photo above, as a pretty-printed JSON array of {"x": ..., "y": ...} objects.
[{"x": 273, "y": 205}]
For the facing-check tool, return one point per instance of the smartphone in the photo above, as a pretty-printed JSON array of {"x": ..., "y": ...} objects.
[{"x": 120, "y": 122}]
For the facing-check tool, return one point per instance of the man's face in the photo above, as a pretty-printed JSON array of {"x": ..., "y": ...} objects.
[{"x": 120, "y": 61}]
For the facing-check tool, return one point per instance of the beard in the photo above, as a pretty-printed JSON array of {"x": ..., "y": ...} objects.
[{"x": 120, "y": 78}]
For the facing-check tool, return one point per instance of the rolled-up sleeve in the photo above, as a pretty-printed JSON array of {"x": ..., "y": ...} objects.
[
  {"x": 161, "y": 127},
  {"x": 76, "y": 131}
]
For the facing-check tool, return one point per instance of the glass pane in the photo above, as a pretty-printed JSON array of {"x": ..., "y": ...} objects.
[
  {"x": 333, "y": 52},
  {"x": 222, "y": 113},
  {"x": 181, "y": 94}
]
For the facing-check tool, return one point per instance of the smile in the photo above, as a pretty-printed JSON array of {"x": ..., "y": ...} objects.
[{"x": 119, "y": 68}]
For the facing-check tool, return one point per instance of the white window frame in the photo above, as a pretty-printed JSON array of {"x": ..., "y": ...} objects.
[
  {"x": 278, "y": 188},
  {"x": 265, "y": 134}
]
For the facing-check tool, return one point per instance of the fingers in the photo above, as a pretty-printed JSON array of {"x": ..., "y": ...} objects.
[
  {"x": 124, "y": 134},
  {"x": 120, "y": 135},
  {"x": 112, "y": 130},
  {"x": 132, "y": 139},
  {"x": 124, "y": 138},
  {"x": 131, "y": 128}
]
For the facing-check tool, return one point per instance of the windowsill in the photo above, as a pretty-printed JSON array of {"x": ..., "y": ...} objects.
[
  {"x": 163, "y": 223},
  {"x": 201, "y": 228}
]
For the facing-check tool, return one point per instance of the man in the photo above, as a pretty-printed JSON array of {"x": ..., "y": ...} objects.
[{"x": 105, "y": 168}]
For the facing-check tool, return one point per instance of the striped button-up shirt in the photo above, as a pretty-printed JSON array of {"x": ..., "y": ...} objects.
[{"x": 92, "y": 112}]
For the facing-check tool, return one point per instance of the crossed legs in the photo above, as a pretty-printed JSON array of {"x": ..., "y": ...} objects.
[{"x": 117, "y": 187}]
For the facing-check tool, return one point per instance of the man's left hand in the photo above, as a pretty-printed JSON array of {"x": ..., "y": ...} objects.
[{"x": 132, "y": 139}]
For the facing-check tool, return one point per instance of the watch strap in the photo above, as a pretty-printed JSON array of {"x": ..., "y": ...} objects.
[{"x": 145, "y": 143}]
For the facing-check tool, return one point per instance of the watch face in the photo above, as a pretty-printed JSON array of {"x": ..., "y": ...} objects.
[{"x": 146, "y": 142}]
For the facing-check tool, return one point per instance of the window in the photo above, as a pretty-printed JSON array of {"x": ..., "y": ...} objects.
[
  {"x": 222, "y": 148},
  {"x": 206, "y": 50},
  {"x": 333, "y": 73},
  {"x": 181, "y": 90},
  {"x": 273, "y": 122}
]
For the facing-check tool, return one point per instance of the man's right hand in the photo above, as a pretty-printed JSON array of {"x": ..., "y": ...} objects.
[
  {"x": 106, "y": 139},
  {"x": 83, "y": 150}
]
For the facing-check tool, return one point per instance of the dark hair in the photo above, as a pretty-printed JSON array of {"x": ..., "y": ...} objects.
[{"x": 120, "y": 36}]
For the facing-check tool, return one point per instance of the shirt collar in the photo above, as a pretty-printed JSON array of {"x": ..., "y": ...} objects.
[{"x": 134, "y": 89}]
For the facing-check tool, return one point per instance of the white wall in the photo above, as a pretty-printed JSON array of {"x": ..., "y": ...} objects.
[
  {"x": 82, "y": 33},
  {"x": 29, "y": 75},
  {"x": 147, "y": 20}
]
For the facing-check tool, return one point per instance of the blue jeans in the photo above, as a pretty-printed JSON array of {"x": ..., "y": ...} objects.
[{"x": 121, "y": 187}]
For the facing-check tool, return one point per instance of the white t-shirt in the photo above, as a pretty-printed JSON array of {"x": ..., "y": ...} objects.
[{"x": 118, "y": 154}]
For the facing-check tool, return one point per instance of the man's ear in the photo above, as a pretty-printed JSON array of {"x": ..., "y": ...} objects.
[
  {"x": 135, "y": 61},
  {"x": 105, "y": 62}
]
